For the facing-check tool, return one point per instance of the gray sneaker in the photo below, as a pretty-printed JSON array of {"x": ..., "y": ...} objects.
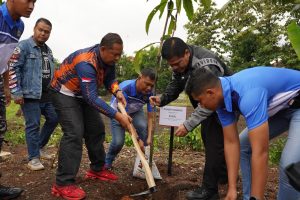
[
  {"x": 45, "y": 155},
  {"x": 35, "y": 164}
]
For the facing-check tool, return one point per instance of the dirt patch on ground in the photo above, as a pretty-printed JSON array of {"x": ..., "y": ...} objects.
[{"x": 187, "y": 171}]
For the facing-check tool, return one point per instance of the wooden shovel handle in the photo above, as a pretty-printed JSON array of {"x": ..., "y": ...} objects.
[{"x": 148, "y": 172}]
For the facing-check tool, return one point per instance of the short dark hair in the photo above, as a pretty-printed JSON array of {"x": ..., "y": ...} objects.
[
  {"x": 149, "y": 72},
  {"x": 111, "y": 38},
  {"x": 172, "y": 47},
  {"x": 199, "y": 81},
  {"x": 46, "y": 21}
]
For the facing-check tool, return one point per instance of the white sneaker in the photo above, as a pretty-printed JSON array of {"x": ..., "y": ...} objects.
[
  {"x": 45, "y": 155},
  {"x": 35, "y": 164}
]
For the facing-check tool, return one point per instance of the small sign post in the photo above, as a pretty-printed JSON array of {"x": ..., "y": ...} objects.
[{"x": 171, "y": 116}]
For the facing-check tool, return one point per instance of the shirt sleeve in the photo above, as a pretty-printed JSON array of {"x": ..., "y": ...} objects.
[
  {"x": 149, "y": 107},
  {"x": 174, "y": 88},
  {"x": 88, "y": 84},
  {"x": 226, "y": 118},
  {"x": 16, "y": 64},
  {"x": 254, "y": 107},
  {"x": 110, "y": 82},
  {"x": 196, "y": 118}
]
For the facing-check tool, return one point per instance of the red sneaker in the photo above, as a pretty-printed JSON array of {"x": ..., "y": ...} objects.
[
  {"x": 104, "y": 175},
  {"x": 69, "y": 192}
]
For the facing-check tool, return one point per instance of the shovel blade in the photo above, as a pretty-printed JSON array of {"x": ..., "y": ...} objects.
[{"x": 150, "y": 191}]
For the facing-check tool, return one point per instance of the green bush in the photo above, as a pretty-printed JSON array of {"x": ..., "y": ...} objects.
[
  {"x": 192, "y": 140},
  {"x": 275, "y": 150},
  {"x": 16, "y": 128}
]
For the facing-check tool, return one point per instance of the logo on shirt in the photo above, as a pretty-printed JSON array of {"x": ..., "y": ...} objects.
[{"x": 86, "y": 80}]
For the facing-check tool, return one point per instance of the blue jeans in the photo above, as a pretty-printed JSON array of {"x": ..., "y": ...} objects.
[
  {"x": 118, "y": 135},
  {"x": 285, "y": 120},
  {"x": 36, "y": 138}
]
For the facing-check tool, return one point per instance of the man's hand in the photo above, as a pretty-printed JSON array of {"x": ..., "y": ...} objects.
[
  {"x": 120, "y": 97},
  {"x": 149, "y": 142},
  {"x": 181, "y": 131},
  {"x": 154, "y": 100},
  {"x": 141, "y": 144},
  {"x": 19, "y": 101},
  {"x": 124, "y": 120},
  {"x": 231, "y": 195}
]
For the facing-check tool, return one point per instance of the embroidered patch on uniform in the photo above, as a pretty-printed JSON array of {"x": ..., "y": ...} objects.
[
  {"x": 17, "y": 50},
  {"x": 86, "y": 80},
  {"x": 12, "y": 86}
]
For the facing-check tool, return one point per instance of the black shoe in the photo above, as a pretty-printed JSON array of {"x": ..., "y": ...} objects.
[
  {"x": 202, "y": 193},
  {"x": 9, "y": 192}
]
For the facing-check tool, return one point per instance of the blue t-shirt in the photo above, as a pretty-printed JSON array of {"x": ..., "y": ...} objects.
[
  {"x": 257, "y": 93},
  {"x": 10, "y": 33},
  {"x": 135, "y": 100}
]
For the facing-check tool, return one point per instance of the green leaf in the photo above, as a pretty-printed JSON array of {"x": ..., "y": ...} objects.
[
  {"x": 137, "y": 61},
  {"x": 189, "y": 9},
  {"x": 170, "y": 7},
  {"x": 138, "y": 56},
  {"x": 152, "y": 13},
  {"x": 172, "y": 25},
  {"x": 163, "y": 4},
  {"x": 178, "y": 5},
  {"x": 206, "y": 3},
  {"x": 165, "y": 37},
  {"x": 294, "y": 36}
]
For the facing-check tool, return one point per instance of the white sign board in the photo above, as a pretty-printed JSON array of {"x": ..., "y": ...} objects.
[{"x": 172, "y": 115}]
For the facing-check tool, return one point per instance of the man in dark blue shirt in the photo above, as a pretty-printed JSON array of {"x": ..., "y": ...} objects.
[
  {"x": 11, "y": 29},
  {"x": 137, "y": 93}
]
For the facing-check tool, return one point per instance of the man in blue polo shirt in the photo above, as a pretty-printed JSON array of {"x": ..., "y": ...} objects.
[
  {"x": 268, "y": 98},
  {"x": 11, "y": 29},
  {"x": 137, "y": 93}
]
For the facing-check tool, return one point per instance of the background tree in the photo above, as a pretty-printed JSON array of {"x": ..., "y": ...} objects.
[{"x": 248, "y": 32}]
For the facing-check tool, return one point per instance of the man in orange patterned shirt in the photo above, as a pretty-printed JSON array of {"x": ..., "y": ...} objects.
[{"x": 75, "y": 98}]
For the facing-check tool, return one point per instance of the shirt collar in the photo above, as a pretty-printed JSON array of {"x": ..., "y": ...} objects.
[
  {"x": 32, "y": 42},
  {"x": 226, "y": 89},
  {"x": 100, "y": 61},
  {"x": 9, "y": 19}
]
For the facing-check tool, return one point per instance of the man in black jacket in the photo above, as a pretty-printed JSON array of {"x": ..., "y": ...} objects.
[{"x": 183, "y": 59}]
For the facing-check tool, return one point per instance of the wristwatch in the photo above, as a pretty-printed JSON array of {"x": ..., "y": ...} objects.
[{"x": 118, "y": 90}]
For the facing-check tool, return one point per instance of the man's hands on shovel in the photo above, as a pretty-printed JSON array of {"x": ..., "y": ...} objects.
[{"x": 123, "y": 119}]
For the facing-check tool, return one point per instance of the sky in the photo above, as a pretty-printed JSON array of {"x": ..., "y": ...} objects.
[{"x": 78, "y": 24}]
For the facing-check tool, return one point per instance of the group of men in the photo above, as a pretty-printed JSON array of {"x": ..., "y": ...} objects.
[{"x": 268, "y": 98}]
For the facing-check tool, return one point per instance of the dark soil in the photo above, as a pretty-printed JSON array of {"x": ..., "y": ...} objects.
[{"x": 187, "y": 173}]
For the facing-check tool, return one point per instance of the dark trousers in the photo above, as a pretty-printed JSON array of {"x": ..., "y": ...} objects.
[
  {"x": 3, "y": 125},
  {"x": 37, "y": 138},
  {"x": 78, "y": 121},
  {"x": 215, "y": 170}
]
